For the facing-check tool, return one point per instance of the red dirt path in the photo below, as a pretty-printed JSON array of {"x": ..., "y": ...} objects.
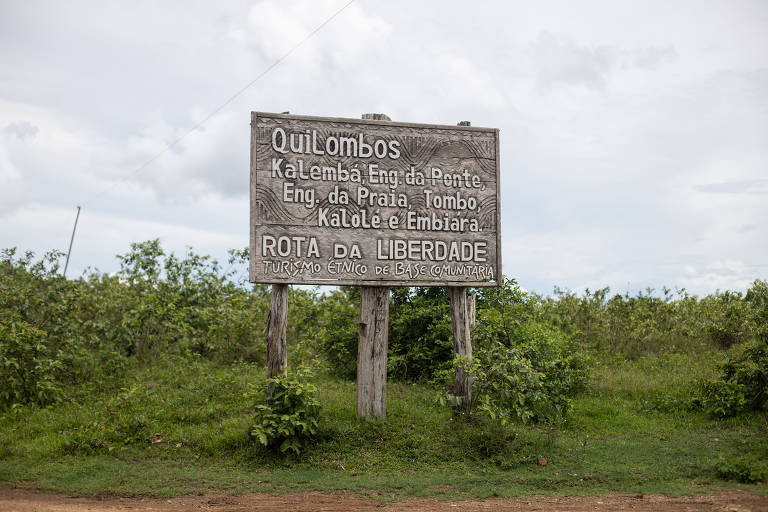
[{"x": 21, "y": 500}]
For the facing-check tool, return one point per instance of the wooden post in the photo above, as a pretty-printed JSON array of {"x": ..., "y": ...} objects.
[
  {"x": 372, "y": 353},
  {"x": 372, "y": 343},
  {"x": 376, "y": 117},
  {"x": 277, "y": 324},
  {"x": 462, "y": 319},
  {"x": 462, "y": 344},
  {"x": 471, "y": 311}
]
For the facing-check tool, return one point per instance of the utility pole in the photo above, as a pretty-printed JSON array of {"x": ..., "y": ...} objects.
[{"x": 71, "y": 240}]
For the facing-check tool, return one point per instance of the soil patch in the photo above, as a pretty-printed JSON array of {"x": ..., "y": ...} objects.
[{"x": 22, "y": 500}]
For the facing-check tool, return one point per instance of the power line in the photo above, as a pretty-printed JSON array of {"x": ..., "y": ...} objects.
[{"x": 218, "y": 109}]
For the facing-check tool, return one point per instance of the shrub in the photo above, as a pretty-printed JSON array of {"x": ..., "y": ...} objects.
[
  {"x": 530, "y": 380},
  {"x": 757, "y": 298},
  {"x": 524, "y": 368},
  {"x": 750, "y": 370},
  {"x": 47, "y": 338},
  {"x": 746, "y": 469},
  {"x": 157, "y": 304},
  {"x": 420, "y": 337},
  {"x": 651, "y": 322},
  {"x": 742, "y": 384},
  {"x": 420, "y": 333},
  {"x": 728, "y": 319},
  {"x": 337, "y": 333},
  {"x": 28, "y": 370},
  {"x": 172, "y": 304},
  {"x": 288, "y": 417},
  {"x": 722, "y": 398},
  {"x": 501, "y": 311}
]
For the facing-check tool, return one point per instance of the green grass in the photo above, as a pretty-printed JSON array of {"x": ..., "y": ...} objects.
[{"x": 632, "y": 431}]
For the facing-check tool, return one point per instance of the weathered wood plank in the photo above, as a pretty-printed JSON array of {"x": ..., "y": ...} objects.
[
  {"x": 375, "y": 117},
  {"x": 277, "y": 324},
  {"x": 294, "y": 118},
  {"x": 421, "y": 183},
  {"x": 372, "y": 353},
  {"x": 471, "y": 310},
  {"x": 462, "y": 344},
  {"x": 254, "y": 208},
  {"x": 453, "y": 186},
  {"x": 372, "y": 344},
  {"x": 380, "y": 259},
  {"x": 498, "y": 213}
]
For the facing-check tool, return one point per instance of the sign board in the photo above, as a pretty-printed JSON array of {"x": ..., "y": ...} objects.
[{"x": 376, "y": 203}]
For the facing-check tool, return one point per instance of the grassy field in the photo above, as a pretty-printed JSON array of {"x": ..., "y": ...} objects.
[{"x": 180, "y": 426}]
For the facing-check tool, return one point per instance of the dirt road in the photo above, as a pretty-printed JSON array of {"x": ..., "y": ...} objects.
[{"x": 18, "y": 500}]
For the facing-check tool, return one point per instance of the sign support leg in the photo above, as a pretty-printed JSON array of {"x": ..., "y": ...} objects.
[
  {"x": 277, "y": 324},
  {"x": 462, "y": 313},
  {"x": 372, "y": 343},
  {"x": 372, "y": 353}
]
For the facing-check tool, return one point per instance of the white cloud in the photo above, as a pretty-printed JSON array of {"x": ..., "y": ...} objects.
[
  {"x": 10, "y": 184},
  {"x": 632, "y": 138},
  {"x": 22, "y": 129},
  {"x": 720, "y": 275},
  {"x": 560, "y": 61},
  {"x": 274, "y": 28},
  {"x": 99, "y": 237}
]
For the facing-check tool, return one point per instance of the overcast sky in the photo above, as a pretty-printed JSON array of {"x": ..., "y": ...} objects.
[{"x": 634, "y": 135}]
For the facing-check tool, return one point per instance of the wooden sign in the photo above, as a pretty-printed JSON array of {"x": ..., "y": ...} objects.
[{"x": 377, "y": 203}]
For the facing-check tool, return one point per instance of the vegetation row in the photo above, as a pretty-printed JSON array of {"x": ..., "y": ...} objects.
[{"x": 64, "y": 341}]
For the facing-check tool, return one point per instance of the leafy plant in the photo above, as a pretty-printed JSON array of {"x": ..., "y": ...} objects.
[
  {"x": 743, "y": 384},
  {"x": 420, "y": 335},
  {"x": 745, "y": 469},
  {"x": 336, "y": 334},
  {"x": 28, "y": 369},
  {"x": 651, "y": 322},
  {"x": 722, "y": 398},
  {"x": 532, "y": 379},
  {"x": 288, "y": 417}
]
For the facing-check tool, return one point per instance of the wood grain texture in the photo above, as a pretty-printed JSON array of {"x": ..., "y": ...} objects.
[
  {"x": 471, "y": 309},
  {"x": 372, "y": 353},
  {"x": 277, "y": 324},
  {"x": 428, "y": 183},
  {"x": 462, "y": 343},
  {"x": 498, "y": 212},
  {"x": 323, "y": 269},
  {"x": 376, "y": 117}
]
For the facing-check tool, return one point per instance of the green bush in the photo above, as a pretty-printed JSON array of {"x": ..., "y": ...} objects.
[
  {"x": 757, "y": 298},
  {"x": 524, "y": 368},
  {"x": 750, "y": 370},
  {"x": 420, "y": 337},
  {"x": 46, "y": 335},
  {"x": 648, "y": 323},
  {"x": 532, "y": 379},
  {"x": 722, "y": 398},
  {"x": 728, "y": 319},
  {"x": 34, "y": 292},
  {"x": 742, "y": 385},
  {"x": 288, "y": 417},
  {"x": 336, "y": 334},
  {"x": 501, "y": 311},
  {"x": 747, "y": 469},
  {"x": 156, "y": 305},
  {"x": 171, "y": 304},
  {"x": 28, "y": 370},
  {"x": 420, "y": 333}
]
